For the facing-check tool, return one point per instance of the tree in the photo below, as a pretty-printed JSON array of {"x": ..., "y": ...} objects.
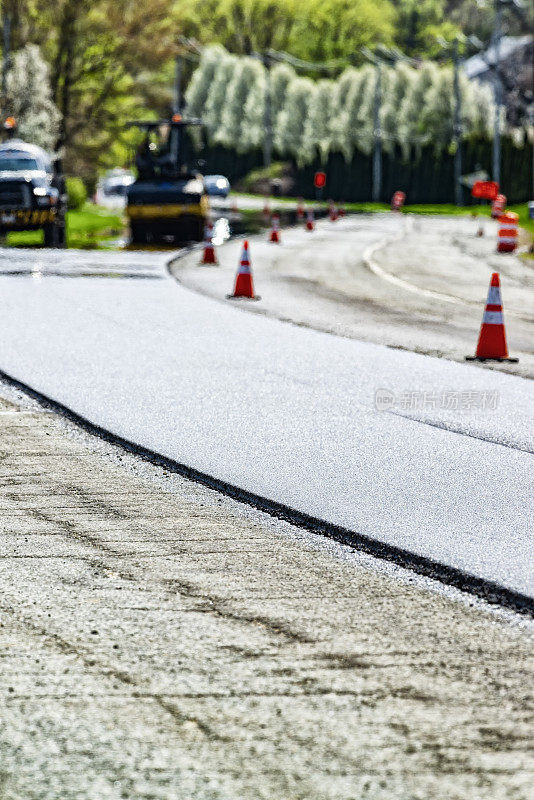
[
  {"x": 98, "y": 52},
  {"x": 29, "y": 98},
  {"x": 411, "y": 127},
  {"x": 242, "y": 26},
  {"x": 318, "y": 125},
  {"x": 347, "y": 101},
  {"x": 396, "y": 86},
  {"x": 202, "y": 80},
  {"x": 248, "y": 74},
  {"x": 217, "y": 94},
  {"x": 289, "y": 134}
]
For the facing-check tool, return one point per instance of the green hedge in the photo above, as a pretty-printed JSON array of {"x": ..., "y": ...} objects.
[{"x": 76, "y": 193}]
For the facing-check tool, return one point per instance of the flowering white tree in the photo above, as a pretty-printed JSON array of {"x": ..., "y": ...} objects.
[
  {"x": 202, "y": 80},
  {"x": 281, "y": 76},
  {"x": 29, "y": 98},
  {"x": 478, "y": 107},
  {"x": 247, "y": 72},
  {"x": 363, "y": 129},
  {"x": 417, "y": 107},
  {"x": 350, "y": 123},
  {"x": 253, "y": 123},
  {"x": 437, "y": 113},
  {"x": 396, "y": 86},
  {"x": 344, "y": 88},
  {"x": 289, "y": 132},
  {"x": 411, "y": 127},
  {"x": 317, "y": 127},
  {"x": 216, "y": 97}
]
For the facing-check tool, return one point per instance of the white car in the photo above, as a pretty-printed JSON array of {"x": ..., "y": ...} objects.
[
  {"x": 217, "y": 185},
  {"x": 112, "y": 188}
]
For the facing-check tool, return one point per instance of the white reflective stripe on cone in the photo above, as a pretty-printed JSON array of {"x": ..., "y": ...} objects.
[
  {"x": 494, "y": 296},
  {"x": 493, "y": 318},
  {"x": 507, "y": 239}
]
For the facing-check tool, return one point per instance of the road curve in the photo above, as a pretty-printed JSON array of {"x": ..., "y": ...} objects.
[{"x": 282, "y": 412}]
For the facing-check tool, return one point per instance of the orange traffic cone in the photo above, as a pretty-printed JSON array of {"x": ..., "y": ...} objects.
[
  {"x": 332, "y": 212},
  {"x": 341, "y": 210},
  {"x": 209, "y": 256},
  {"x": 244, "y": 286},
  {"x": 310, "y": 220},
  {"x": 300, "y": 209},
  {"x": 266, "y": 209},
  {"x": 275, "y": 229},
  {"x": 492, "y": 339}
]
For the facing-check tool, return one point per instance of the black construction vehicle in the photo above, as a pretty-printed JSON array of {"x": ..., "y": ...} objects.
[
  {"x": 32, "y": 189},
  {"x": 168, "y": 201}
]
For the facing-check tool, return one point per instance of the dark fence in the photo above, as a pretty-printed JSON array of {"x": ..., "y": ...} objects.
[{"x": 426, "y": 178}]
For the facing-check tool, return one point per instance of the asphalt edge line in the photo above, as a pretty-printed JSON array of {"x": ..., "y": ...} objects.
[{"x": 488, "y": 591}]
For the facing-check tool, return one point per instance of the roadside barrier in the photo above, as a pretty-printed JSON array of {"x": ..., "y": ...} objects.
[
  {"x": 310, "y": 220},
  {"x": 507, "y": 236},
  {"x": 208, "y": 256},
  {"x": 275, "y": 229},
  {"x": 244, "y": 286},
  {"x": 498, "y": 206},
  {"x": 492, "y": 338}
]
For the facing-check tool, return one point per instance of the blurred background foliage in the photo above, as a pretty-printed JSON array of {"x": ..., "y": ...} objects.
[{"x": 112, "y": 60}]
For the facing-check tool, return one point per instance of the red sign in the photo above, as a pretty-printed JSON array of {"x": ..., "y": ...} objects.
[
  {"x": 319, "y": 180},
  {"x": 485, "y": 190}
]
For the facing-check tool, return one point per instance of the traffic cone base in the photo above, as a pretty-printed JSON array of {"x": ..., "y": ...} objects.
[
  {"x": 274, "y": 236},
  {"x": 208, "y": 256},
  {"x": 492, "y": 338},
  {"x": 244, "y": 285}
]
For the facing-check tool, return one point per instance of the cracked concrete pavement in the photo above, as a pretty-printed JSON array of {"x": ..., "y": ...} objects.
[{"x": 159, "y": 641}]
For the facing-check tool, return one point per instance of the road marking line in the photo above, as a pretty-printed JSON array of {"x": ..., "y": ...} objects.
[
  {"x": 410, "y": 287},
  {"x": 369, "y": 262}
]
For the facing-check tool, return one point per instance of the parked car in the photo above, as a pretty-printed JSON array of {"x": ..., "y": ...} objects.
[
  {"x": 217, "y": 185},
  {"x": 112, "y": 188}
]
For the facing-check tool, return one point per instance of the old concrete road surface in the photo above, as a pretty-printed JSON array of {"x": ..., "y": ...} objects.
[
  {"x": 412, "y": 452},
  {"x": 158, "y": 641}
]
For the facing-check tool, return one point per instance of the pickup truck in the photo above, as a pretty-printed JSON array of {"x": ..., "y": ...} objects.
[{"x": 32, "y": 192}]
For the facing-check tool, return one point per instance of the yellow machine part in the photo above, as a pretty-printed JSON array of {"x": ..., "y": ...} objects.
[{"x": 167, "y": 211}]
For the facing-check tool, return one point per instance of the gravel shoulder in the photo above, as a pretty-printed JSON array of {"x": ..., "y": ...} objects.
[
  {"x": 160, "y": 641},
  {"x": 323, "y": 280}
]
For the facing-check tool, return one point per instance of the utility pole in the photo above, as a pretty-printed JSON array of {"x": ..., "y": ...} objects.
[
  {"x": 267, "y": 115},
  {"x": 177, "y": 99},
  {"x": 6, "y": 55},
  {"x": 377, "y": 134},
  {"x": 176, "y": 108},
  {"x": 457, "y": 127},
  {"x": 497, "y": 89}
]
